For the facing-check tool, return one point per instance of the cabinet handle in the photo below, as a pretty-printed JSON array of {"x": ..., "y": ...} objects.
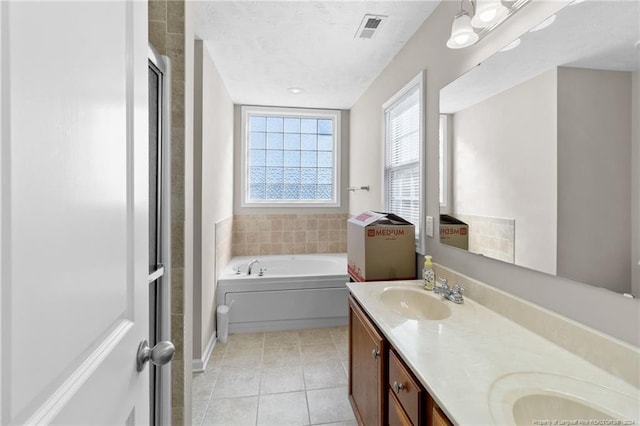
[
  {"x": 375, "y": 353},
  {"x": 398, "y": 387}
]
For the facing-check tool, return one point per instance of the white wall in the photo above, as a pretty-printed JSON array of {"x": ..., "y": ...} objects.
[
  {"x": 615, "y": 315},
  {"x": 214, "y": 187},
  {"x": 504, "y": 164},
  {"x": 594, "y": 177}
]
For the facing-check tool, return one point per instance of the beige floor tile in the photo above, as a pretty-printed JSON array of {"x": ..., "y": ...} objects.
[
  {"x": 324, "y": 374},
  {"x": 281, "y": 379},
  {"x": 231, "y": 412},
  {"x": 281, "y": 338},
  {"x": 329, "y": 405},
  {"x": 318, "y": 352},
  {"x": 216, "y": 356},
  {"x": 339, "y": 334},
  {"x": 198, "y": 410},
  {"x": 315, "y": 335},
  {"x": 201, "y": 390},
  {"x": 281, "y": 356},
  {"x": 249, "y": 357},
  {"x": 283, "y": 409},
  {"x": 237, "y": 381},
  {"x": 240, "y": 341},
  {"x": 349, "y": 423}
]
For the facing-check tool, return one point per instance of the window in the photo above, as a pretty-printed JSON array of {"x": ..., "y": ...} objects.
[
  {"x": 403, "y": 136},
  {"x": 291, "y": 157},
  {"x": 444, "y": 163}
]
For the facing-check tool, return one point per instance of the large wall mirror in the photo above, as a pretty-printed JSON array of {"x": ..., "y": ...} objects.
[{"x": 539, "y": 148}]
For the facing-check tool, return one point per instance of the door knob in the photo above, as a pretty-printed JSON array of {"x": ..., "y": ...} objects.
[{"x": 159, "y": 355}]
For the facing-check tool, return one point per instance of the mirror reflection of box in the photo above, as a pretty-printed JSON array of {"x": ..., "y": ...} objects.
[
  {"x": 380, "y": 247},
  {"x": 454, "y": 232}
]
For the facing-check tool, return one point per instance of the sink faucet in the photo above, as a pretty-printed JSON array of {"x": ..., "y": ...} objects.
[
  {"x": 250, "y": 265},
  {"x": 453, "y": 294}
]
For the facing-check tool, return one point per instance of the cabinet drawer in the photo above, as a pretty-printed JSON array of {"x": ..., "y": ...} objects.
[
  {"x": 397, "y": 416},
  {"x": 408, "y": 392}
]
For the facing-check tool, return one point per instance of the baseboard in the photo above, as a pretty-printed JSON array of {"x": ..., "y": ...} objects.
[
  {"x": 199, "y": 364},
  {"x": 296, "y": 324}
]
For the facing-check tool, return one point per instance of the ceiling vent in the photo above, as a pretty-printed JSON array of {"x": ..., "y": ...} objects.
[{"x": 369, "y": 26}]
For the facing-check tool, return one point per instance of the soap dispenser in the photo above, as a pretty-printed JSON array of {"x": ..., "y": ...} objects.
[{"x": 428, "y": 274}]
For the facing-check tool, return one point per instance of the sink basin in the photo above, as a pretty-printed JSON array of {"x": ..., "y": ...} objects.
[
  {"x": 529, "y": 408},
  {"x": 414, "y": 303},
  {"x": 528, "y": 398}
]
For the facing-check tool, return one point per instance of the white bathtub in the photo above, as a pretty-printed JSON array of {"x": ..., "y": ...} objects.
[{"x": 295, "y": 291}]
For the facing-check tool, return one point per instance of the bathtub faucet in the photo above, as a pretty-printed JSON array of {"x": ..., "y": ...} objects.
[{"x": 250, "y": 265}]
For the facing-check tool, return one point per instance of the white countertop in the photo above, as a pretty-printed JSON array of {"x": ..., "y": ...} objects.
[{"x": 468, "y": 360}]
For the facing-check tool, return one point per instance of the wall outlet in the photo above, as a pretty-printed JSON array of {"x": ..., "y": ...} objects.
[{"x": 429, "y": 227}]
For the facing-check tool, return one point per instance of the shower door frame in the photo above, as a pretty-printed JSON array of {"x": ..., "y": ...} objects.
[{"x": 160, "y": 277}]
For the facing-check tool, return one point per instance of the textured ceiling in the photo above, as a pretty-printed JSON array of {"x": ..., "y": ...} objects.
[
  {"x": 262, "y": 48},
  {"x": 591, "y": 34}
]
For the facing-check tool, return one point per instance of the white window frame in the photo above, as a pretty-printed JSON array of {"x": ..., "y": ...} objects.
[
  {"x": 420, "y": 81},
  {"x": 334, "y": 115},
  {"x": 444, "y": 144}
]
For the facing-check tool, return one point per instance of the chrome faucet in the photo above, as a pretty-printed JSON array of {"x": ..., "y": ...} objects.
[
  {"x": 453, "y": 294},
  {"x": 250, "y": 265}
]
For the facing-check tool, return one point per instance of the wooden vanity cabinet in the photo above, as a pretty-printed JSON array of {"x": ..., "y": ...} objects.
[
  {"x": 406, "y": 391},
  {"x": 382, "y": 389},
  {"x": 367, "y": 368}
]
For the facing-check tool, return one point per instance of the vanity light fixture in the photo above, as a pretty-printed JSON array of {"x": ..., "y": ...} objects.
[
  {"x": 515, "y": 43},
  {"x": 488, "y": 12},
  {"x": 544, "y": 24},
  {"x": 468, "y": 28},
  {"x": 462, "y": 35}
]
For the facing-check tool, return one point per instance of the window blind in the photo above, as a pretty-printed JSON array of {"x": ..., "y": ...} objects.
[{"x": 402, "y": 157}]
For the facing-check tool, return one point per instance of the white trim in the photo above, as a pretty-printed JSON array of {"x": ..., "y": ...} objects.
[
  {"x": 335, "y": 115},
  {"x": 199, "y": 364},
  {"x": 444, "y": 173},
  {"x": 419, "y": 80},
  {"x": 297, "y": 324}
]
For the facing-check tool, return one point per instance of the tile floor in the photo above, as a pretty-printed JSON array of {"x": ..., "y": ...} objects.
[{"x": 296, "y": 377}]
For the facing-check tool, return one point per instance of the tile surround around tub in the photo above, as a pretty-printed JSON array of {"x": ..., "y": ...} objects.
[
  {"x": 289, "y": 234},
  {"x": 608, "y": 353},
  {"x": 491, "y": 236}
]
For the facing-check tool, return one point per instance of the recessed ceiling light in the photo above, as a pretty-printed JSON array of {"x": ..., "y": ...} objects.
[
  {"x": 544, "y": 24},
  {"x": 295, "y": 90},
  {"x": 515, "y": 43}
]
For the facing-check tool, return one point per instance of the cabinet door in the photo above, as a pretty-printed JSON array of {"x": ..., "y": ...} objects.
[
  {"x": 437, "y": 416},
  {"x": 367, "y": 361}
]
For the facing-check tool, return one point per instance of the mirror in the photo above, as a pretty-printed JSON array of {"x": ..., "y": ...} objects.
[{"x": 537, "y": 144}]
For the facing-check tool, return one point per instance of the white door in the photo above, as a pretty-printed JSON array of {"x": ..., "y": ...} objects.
[{"x": 73, "y": 212}]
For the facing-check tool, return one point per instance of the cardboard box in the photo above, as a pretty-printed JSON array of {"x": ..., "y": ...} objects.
[
  {"x": 454, "y": 232},
  {"x": 380, "y": 247}
]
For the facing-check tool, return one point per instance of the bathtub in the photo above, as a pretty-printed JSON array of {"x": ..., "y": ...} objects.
[{"x": 295, "y": 291}]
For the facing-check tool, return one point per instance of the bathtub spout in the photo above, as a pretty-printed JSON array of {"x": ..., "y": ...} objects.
[{"x": 250, "y": 265}]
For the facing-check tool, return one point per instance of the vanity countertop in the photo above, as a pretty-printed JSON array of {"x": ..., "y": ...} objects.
[{"x": 472, "y": 361}]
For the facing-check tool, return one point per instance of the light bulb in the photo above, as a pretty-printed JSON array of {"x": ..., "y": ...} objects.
[
  {"x": 488, "y": 12},
  {"x": 462, "y": 34}
]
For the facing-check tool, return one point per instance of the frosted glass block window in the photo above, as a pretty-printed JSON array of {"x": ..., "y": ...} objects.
[{"x": 291, "y": 157}]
